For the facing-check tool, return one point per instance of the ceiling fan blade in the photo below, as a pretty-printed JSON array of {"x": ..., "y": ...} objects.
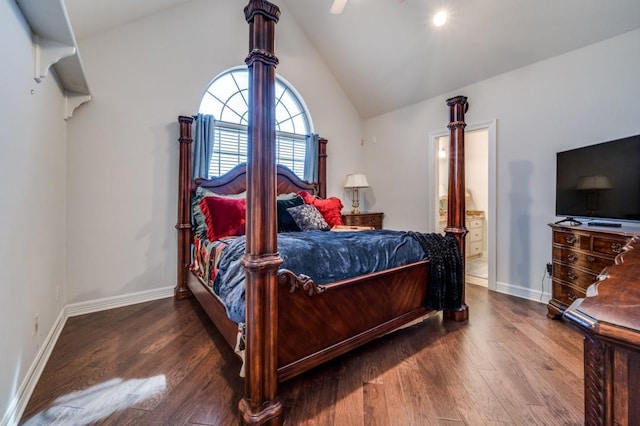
[{"x": 338, "y": 6}]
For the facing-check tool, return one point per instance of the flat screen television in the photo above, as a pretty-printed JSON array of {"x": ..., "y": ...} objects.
[{"x": 600, "y": 181}]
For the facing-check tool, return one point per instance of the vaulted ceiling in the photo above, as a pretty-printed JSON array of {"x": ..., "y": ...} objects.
[{"x": 386, "y": 54}]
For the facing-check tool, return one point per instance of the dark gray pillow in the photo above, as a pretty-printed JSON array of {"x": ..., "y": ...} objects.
[{"x": 285, "y": 221}]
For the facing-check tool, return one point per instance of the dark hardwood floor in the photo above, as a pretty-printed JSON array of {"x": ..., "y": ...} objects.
[{"x": 163, "y": 363}]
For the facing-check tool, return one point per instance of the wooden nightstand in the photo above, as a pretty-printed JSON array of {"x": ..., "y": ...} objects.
[{"x": 363, "y": 219}]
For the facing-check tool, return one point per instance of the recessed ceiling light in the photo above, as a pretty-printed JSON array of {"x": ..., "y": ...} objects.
[{"x": 440, "y": 18}]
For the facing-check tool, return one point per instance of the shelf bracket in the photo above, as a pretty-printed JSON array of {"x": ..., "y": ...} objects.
[
  {"x": 46, "y": 54},
  {"x": 73, "y": 100}
]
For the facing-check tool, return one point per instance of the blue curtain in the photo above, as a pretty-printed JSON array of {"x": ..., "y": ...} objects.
[
  {"x": 311, "y": 158},
  {"x": 203, "y": 145}
]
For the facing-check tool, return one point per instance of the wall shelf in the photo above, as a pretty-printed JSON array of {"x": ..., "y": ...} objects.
[{"x": 54, "y": 45}]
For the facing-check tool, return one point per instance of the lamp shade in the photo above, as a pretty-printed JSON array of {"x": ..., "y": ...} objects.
[
  {"x": 594, "y": 182},
  {"x": 356, "y": 180}
]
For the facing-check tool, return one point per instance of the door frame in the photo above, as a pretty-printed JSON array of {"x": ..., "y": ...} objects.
[{"x": 491, "y": 214}]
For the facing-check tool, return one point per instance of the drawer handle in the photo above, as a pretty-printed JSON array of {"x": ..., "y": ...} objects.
[
  {"x": 616, "y": 247},
  {"x": 572, "y": 257},
  {"x": 570, "y": 239},
  {"x": 572, "y": 275},
  {"x": 571, "y": 296},
  {"x": 591, "y": 258}
]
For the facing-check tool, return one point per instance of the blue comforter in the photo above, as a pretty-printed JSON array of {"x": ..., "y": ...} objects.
[{"x": 324, "y": 256}]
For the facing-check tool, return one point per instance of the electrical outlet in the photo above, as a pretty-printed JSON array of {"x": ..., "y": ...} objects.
[
  {"x": 549, "y": 269},
  {"x": 35, "y": 325}
]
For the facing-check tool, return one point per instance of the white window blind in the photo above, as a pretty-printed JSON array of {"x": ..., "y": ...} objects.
[{"x": 230, "y": 149}]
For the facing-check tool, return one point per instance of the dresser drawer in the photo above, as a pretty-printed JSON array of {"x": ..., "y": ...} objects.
[
  {"x": 602, "y": 244},
  {"x": 474, "y": 249},
  {"x": 587, "y": 261},
  {"x": 607, "y": 245},
  {"x": 566, "y": 294},
  {"x": 363, "y": 219},
  {"x": 474, "y": 223},
  {"x": 572, "y": 239},
  {"x": 576, "y": 277},
  {"x": 475, "y": 235}
]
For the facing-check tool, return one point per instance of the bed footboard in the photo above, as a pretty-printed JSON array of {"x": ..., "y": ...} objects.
[{"x": 319, "y": 322}]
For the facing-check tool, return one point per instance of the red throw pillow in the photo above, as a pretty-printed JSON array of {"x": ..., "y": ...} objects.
[
  {"x": 225, "y": 217},
  {"x": 330, "y": 209},
  {"x": 306, "y": 197}
]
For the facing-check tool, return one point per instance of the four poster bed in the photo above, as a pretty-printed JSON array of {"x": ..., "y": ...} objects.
[{"x": 294, "y": 322}]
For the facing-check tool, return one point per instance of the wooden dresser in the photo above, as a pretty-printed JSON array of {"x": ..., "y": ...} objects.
[
  {"x": 610, "y": 319},
  {"x": 363, "y": 219},
  {"x": 580, "y": 253}
]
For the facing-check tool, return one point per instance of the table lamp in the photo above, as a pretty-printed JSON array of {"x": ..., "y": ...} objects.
[{"x": 356, "y": 181}]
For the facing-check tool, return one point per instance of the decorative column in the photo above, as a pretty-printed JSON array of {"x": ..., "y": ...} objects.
[
  {"x": 322, "y": 168},
  {"x": 456, "y": 209},
  {"x": 260, "y": 405},
  {"x": 183, "y": 226}
]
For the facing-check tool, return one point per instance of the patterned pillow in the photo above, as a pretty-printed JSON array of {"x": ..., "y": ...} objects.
[
  {"x": 308, "y": 218},
  {"x": 330, "y": 208}
]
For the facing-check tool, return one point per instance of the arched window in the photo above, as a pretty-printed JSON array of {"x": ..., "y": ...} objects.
[{"x": 227, "y": 100}]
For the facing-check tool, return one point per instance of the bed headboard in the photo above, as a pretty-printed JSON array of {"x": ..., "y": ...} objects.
[{"x": 235, "y": 181}]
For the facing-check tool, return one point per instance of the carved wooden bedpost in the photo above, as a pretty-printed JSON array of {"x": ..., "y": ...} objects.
[
  {"x": 456, "y": 209},
  {"x": 322, "y": 168},
  {"x": 183, "y": 226},
  {"x": 260, "y": 405}
]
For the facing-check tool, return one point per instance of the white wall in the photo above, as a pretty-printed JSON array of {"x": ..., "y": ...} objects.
[
  {"x": 580, "y": 98},
  {"x": 477, "y": 176},
  {"x": 123, "y": 149},
  {"x": 32, "y": 212},
  {"x": 476, "y": 173}
]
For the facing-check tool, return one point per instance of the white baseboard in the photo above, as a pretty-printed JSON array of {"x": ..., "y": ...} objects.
[
  {"x": 20, "y": 400},
  {"x": 537, "y": 295},
  {"x": 91, "y": 306}
]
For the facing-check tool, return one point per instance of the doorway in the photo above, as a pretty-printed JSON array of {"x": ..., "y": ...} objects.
[{"x": 480, "y": 183}]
